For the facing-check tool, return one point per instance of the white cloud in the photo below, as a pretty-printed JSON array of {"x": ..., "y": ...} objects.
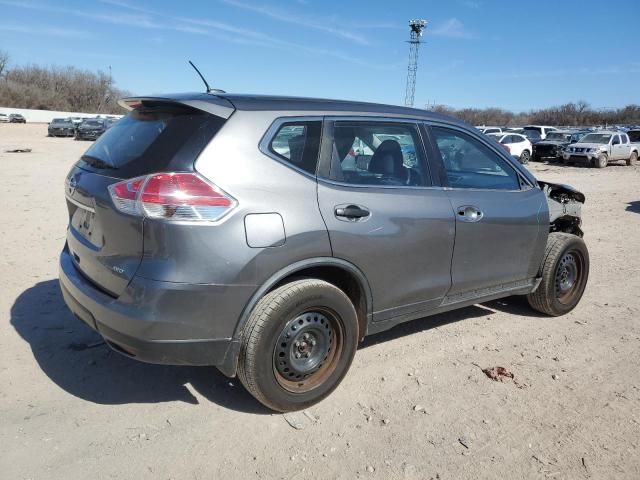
[
  {"x": 44, "y": 30},
  {"x": 302, "y": 21},
  {"x": 452, "y": 28}
]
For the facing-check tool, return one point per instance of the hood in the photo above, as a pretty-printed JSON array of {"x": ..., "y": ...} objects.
[
  {"x": 588, "y": 145},
  {"x": 553, "y": 142}
]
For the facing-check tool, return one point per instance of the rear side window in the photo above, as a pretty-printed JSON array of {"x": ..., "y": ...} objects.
[
  {"x": 154, "y": 138},
  {"x": 298, "y": 143},
  {"x": 471, "y": 164},
  {"x": 377, "y": 153}
]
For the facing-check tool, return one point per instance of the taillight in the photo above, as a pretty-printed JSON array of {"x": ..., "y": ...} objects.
[
  {"x": 172, "y": 196},
  {"x": 506, "y": 147}
]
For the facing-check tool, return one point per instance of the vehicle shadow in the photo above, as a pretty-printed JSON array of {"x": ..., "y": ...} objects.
[
  {"x": 76, "y": 359},
  {"x": 633, "y": 206}
]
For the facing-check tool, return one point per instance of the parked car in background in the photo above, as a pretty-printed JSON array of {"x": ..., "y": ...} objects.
[
  {"x": 4, "y": 118},
  {"x": 17, "y": 118},
  {"x": 517, "y": 145},
  {"x": 553, "y": 146},
  {"x": 599, "y": 148},
  {"x": 90, "y": 129},
  {"x": 213, "y": 186},
  {"x": 76, "y": 121},
  {"x": 541, "y": 129},
  {"x": 634, "y": 136},
  {"x": 532, "y": 135},
  {"x": 488, "y": 130},
  {"x": 110, "y": 121},
  {"x": 61, "y": 127}
]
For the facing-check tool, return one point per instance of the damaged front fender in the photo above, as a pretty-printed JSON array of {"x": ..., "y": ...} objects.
[{"x": 565, "y": 205}]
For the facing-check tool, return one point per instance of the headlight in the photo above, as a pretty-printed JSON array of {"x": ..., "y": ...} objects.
[{"x": 593, "y": 150}]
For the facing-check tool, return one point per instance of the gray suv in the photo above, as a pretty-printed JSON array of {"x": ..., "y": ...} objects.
[{"x": 267, "y": 236}]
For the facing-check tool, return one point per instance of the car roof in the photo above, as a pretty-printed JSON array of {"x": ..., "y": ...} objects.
[{"x": 250, "y": 102}]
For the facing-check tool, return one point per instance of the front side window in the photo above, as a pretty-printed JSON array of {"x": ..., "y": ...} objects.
[
  {"x": 616, "y": 140},
  {"x": 377, "y": 153},
  {"x": 298, "y": 143},
  {"x": 470, "y": 163}
]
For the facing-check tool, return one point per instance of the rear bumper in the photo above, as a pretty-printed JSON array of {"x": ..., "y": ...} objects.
[{"x": 141, "y": 323}]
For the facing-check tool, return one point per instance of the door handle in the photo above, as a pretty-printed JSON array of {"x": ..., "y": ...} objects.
[
  {"x": 469, "y": 213},
  {"x": 351, "y": 212}
]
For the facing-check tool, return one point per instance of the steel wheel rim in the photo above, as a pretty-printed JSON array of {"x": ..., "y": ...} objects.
[
  {"x": 569, "y": 277},
  {"x": 308, "y": 349},
  {"x": 525, "y": 156}
]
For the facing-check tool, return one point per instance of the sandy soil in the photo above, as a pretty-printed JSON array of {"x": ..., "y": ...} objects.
[{"x": 413, "y": 397}]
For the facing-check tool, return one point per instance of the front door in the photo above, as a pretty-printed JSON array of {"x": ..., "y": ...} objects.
[
  {"x": 501, "y": 223},
  {"x": 384, "y": 215}
]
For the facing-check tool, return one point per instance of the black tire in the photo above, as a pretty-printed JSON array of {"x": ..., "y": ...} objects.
[
  {"x": 564, "y": 272},
  {"x": 524, "y": 157},
  {"x": 273, "y": 339},
  {"x": 535, "y": 158},
  {"x": 633, "y": 158},
  {"x": 601, "y": 161}
]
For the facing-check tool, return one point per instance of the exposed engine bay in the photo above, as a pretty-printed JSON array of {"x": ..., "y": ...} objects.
[{"x": 565, "y": 204}]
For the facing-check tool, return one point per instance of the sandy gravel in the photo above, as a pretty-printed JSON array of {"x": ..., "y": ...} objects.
[{"x": 413, "y": 397}]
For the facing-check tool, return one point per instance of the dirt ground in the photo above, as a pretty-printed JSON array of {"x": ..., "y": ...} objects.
[{"x": 415, "y": 403}]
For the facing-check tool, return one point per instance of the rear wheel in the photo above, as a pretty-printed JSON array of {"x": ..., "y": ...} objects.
[
  {"x": 564, "y": 272},
  {"x": 602, "y": 160},
  {"x": 298, "y": 344},
  {"x": 632, "y": 158},
  {"x": 525, "y": 156}
]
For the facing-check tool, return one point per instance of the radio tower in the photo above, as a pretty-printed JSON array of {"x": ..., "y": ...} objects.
[{"x": 416, "y": 27}]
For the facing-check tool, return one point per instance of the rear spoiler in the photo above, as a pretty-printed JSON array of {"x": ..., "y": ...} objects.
[{"x": 213, "y": 104}]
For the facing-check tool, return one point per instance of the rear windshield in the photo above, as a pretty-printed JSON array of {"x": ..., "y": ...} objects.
[{"x": 148, "y": 140}]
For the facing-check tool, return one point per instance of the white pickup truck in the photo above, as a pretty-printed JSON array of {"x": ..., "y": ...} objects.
[{"x": 599, "y": 148}]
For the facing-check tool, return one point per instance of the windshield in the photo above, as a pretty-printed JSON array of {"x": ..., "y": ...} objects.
[
  {"x": 60, "y": 121},
  {"x": 559, "y": 136},
  {"x": 596, "y": 138},
  {"x": 92, "y": 123}
]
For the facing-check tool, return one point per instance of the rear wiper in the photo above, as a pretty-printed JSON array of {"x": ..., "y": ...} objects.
[{"x": 97, "y": 162}]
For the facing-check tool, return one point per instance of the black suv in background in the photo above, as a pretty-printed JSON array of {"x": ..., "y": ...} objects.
[
  {"x": 61, "y": 127},
  {"x": 555, "y": 143},
  {"x": 90, "y": 129},
  {"x": 16, "y": 118}
]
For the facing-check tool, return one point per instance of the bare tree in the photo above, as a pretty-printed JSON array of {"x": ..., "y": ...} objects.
[{"x": 4, "y": 61}]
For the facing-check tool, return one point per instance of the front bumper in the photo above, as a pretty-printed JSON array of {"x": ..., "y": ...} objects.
[
  {"x": 141, "y": 323},
  {"x": 580, "y": 157},
  {"x": 87, "y": 135}
]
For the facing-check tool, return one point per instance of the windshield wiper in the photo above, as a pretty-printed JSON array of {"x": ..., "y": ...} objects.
[{"x": 97, "y": 162}]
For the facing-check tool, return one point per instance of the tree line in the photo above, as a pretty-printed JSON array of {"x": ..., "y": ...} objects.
[
  {"x": 57, "y": 88},
  {"x": 569, "y": 114}
]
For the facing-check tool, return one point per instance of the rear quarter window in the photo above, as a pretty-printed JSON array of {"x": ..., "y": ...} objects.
[{"x": 298, "y": 144}]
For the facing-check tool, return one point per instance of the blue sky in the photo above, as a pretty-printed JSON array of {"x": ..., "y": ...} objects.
[{"x": 480, "y": 53}]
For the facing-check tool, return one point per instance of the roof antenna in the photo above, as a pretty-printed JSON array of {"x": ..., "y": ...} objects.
[{"x": 209, "y": 89}]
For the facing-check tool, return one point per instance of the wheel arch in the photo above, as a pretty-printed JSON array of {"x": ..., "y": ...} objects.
[{"x": 336, "y": 271}]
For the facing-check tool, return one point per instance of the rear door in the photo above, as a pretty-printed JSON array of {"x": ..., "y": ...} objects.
[
  {"x": 617, "y": 148},
  {"x": 106, "y": 244},
  {"x": 384, "y": 214},
  {"x": 501, "y": 220}
]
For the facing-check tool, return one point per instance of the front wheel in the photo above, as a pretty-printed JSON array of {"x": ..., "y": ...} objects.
[
  {"x": 298, "y": 344},
  {"x": 525, "y": 156},
  {"x": 564, "y": 272},
  {"x": 602, "y": 160},
  {"x": 632, "y": 158}
]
